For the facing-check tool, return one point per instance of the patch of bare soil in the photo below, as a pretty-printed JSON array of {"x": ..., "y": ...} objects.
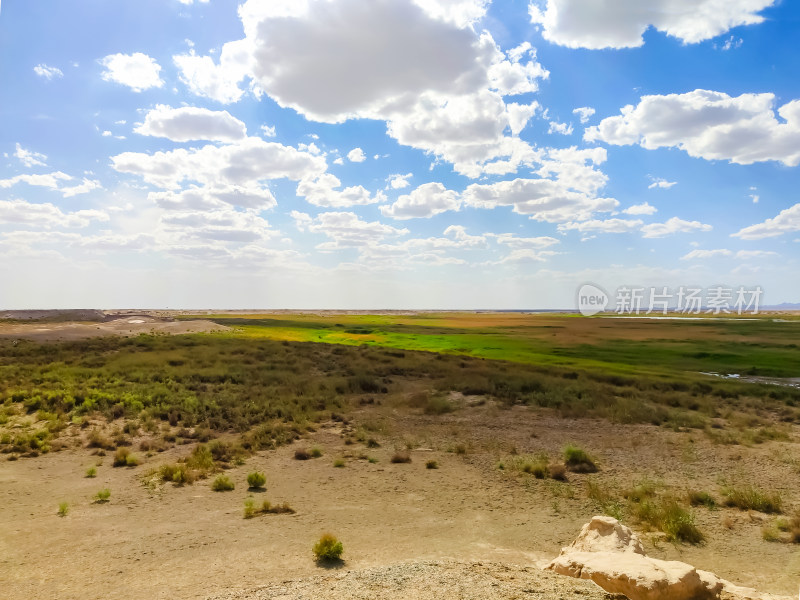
[
  {"x": 165, "y": 541},
  {"x": 130, "y": 325}
]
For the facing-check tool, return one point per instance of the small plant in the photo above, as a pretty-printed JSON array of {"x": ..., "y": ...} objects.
[
  {"x": 401, "y": 457},
  {"x": 249, "y": 508},
  {"x": 338, "y": 463},
  {"x": 251, "y": 511},
  {"x": 372, "y": 459},
  {"x": 121, "y": 457},
  {"x": 431, "y": 464},
  {"x": 102, "y": 496},
  {"x": 578, "y": 460},
  {"x": 557, "y": 472},
  {"x": 751, "y": 498},
  {"x": 256, "y": 480},
  {"x": 328, "y": 548},
  {"x": 222, "y": 483},
  {"x": 63, "y": 509},
  {"x": 91, "y": 472},
  {"x": 702, "y": 499},
  {"x": 301, "y": 454},
  {"x": 770, "y": 534},
  {"x": 316, "y": 452},
  {"x": 373, "y": 443}
]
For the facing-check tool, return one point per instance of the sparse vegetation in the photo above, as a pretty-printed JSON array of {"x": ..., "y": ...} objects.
[
  {"x": 301, "y": 454},
  {"x": 431, "y": 464},
  {"x": 250, "y": 509},
  {"x": 91, "y": 472},
  {"x": 63, "y": 509},
  {"x": 316, "y": 452},
  {"x": 222, "y": 483},
  {"x": 577, "y": 460},
  {"x": 102, "y": 496},
  {"x": 401, "y": 457},
  {"x": 338, "y": 463},
  {"x": 749, "y": 497},
  {"x": 328, "y": 548},
  {"x": 256, "y": 480},
  {"x": 698, "y": 498}
]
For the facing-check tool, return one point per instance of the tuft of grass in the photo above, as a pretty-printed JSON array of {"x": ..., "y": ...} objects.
[
  {"x": 222, "y": 483},
  {"x": 63, "y": 509},
  {"x": 338, "y": 463},
  {"x": 577, "y": 460},
  {"x": 266, "y": 508},
  {"x": 751, "y": 498},
  {"x": 249, "y": 508},
  {"x": 770, "y": 534},
  {"x": 605, "y": 500},
  {"x": 121, "y": 457},
  {"x": 401, "y": 457},
  {"x": 316, "y": 452},
  {"x": 102, "y": 496},
  {"x": 328, "y": 548},
  {"x": 373, "y": 443},
  {"x": 91, "y": 472},
  {"x": 557, "y": 472},
  {"x": 372, "y": 459},
  {"x": 301, "y": 454},
  {"x": 431, "y": 464},
  {"x": 436, "y": 405},
  {"x": 256, "y": 480},
  {"x": 677, "y": 522},
  {"x": 700, "y": 498}
]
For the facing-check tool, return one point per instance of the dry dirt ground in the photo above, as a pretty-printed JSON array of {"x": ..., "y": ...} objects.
[
  {"x": 44, "y": 331},
  {"x": 163, "y": 541}
]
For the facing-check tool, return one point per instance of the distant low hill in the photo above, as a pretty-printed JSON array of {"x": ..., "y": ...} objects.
[{"x": 82, "y": 314}]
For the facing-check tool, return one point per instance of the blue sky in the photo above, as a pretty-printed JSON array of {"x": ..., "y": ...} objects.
[{"x": 395, "y": 153}]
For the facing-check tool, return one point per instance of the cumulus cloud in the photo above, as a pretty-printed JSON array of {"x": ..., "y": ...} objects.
[
  {"x": 348, "y": 230},
  {"x": 424, "y": 202},
  {"x": 137, "y": 71},
  {"x": 787, "y": 221},
  {"x": 658, "y": 182},
  {"x": 322, "y": 190},
  {"x": 671, "y": 226},
  {"x": 709, "y": 125},
  {"x": 42, "y": 70},
  {"x": 518, "y": 243},
  {"x": 621, "y": 23},
  {"x": 214, "y": 197},
  {"x": 53, "y": 181},
  {"x": 398, "y": 181},
  {"x": 562, "y": 128},
  {"x": 356, "y": 155},
  {"x": 603, "y": 226},
  {"x": 584, "y": 113},
  {"x": 20, "y": 212},
  {"x": 219, "y": 82},
  {"x": 192, "y": 123},
  {"x": 245, "y": 162},
  {"x": 640, "y": 209},
  {"x": 29, "y": 158}
]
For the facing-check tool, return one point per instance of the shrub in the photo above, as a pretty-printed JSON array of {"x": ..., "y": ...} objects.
[
  {"x": 249, "y": 508},
  {"x": 557, "y": 472},
  {"x": 702, "y": 499},
  {"x": 102, "y": 496},
  {"x": 431, "y": 464},
  {"x": 222, "y": 483},
  {"x": 678, "y": 523},
  {"x": 373, "y": 443},
  {"x": 91, "y": 472},
  {"x": 97, "y": 439},
  {"x": 401, "y": 457},
  {"x": 751, "y": 498},
  {"x": 256, "y": 480},
  {"x": 251, "y": 511},
  {"x": 338, "y": 463},
  {"x": 577, "y": 460},
  {"x": 301, "y": 454},
  {"x": 372, "y": 459},
  {"x": 769, "y": 534},
  {"x": 328, "y": 548},
  {"x": 63, "y": 509},
  {"x": 438, "y": 406},
  {"x": 121, "y": 457},
  {"x": 132, "y": 460},
  {"x": 316, "y": 452}
]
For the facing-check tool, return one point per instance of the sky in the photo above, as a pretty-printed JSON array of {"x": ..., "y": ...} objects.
[{"x": 395, "y": 154}]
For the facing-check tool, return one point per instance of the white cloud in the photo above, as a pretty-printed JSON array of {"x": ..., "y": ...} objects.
[
  {"x": 658, "y": 182},
  {"x": 517, "y": 243},
  {"x": 673, "y": 225},
  {"x": 48, "y": 73},
  {"x": 242, "y": 163},
  {"x": 29, "y": 158},
  {"x": 603, "y": 226},
  {"x": 424, "y": 202},
  {"x": 584, "y": 113},
  {"x": 301, "y": 220},
  {"x": 710, "y": 125},
  {"x": 732, "y": 43},
  {"x": 640, "y": 209},
  {"x": 322, "y": 191},
  {"x": 187, "y": 2},
  {"x": 702, "y": 254},
  {"x": 755, "y": 198},
  {"x": 219, "y": 82},
  {"x": 356, "y": 155},
  {"x": 215, "y": 196},
  {"x": 787, "y": 221},
  {"x": 192, "y": 123},
  {"x": 748, "y": 254},
  {"x": 398, "y": 181},
  {"x": 458, "y": 12},
  {"x": 347, "y": 230},
  {"x": 621, "y": 23},
  {"x": 562, "y": 128},
  {"x": 84, "y": 187},
  {"x": 137, "y": 71},
  {"x": 20, "y": 212},
  {"x": 268, "y": 131},
  {"x": 53, "y": 181},
  {"x": 224, "y": 225}
]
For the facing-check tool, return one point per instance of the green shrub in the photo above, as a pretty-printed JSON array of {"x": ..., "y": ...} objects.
[
  {"x": 102, "y": 496},
  {"x": 697, "y": 498},
  {"x": 256, "y": 480},
  {"x": 328, "y": 548},
  {"x": 372, "y": 459},
  {"x": 121, "y": 457},
  {"x": 249, "y": 508},
  {"x": 91, "y": 472},
  {"x": 437, "y": 405},
  {"x": 63, "y": 509},
  {"x": 578, "y": 460},
  {"x": 751, "y": 498},
  {"x": 222, "y": 483},
  {"x": 251, "y": 511},
  {"x": 338, "y": 463},
  {"x": 316, "y": 452},
  {"x": 431, "y": 464},
  {"x": 678, "y": 523},
  {"x": 769, "y": 534}
]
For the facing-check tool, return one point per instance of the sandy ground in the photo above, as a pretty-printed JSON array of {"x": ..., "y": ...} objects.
[
  {"x": 191, "y": 542},
  {"x": 125, "y": 326}
]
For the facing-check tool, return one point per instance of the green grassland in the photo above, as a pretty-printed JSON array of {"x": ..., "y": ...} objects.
[{"x": 271, "y": 379}]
